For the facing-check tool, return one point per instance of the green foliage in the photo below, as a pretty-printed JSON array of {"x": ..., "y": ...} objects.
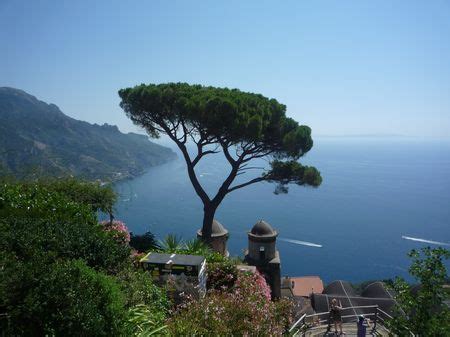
[
  {"x": 100, "y": 198},
  {"x": 141, "y": 324},
  {"x": 197, "y": 247},
  {"x": 62, "y": 298},
  {"x": 172, "y": 244},
  {"x": 35, "y": 219},
  {"x": 54, "y": 257},
  {"x": 222, "y": 113},
  {"x": 245, "y": 126},
  {"x": 221, "y": 275},
  {"x": 147, "y": 304},
  {"x": 421, "y": 308},
  {"x": 175, "y": 244},
  {"x": 245, "y": 310},
  {"x": 139, "y": 289},
  {"x": 38, "y": 140},
  {"x": 293, "y": 172},
  {"x": 144, "y": 242}
]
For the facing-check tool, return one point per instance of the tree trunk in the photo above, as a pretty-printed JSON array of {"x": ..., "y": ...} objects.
[{"x": 209, "y": 210}]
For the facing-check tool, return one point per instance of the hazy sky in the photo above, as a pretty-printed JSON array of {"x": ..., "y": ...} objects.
[{"x": 341, "y": 67}]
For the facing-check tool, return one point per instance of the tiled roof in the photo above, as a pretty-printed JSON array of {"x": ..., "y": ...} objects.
[{"x": 305, "y": 285}]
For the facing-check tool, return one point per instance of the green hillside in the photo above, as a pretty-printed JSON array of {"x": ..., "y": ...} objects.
[{"x": 37, "y": 139}]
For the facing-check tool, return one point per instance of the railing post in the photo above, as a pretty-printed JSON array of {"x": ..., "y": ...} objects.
[
  {"x": 375, "y": 320},
  {"x": 329, "y": 324},
  {"x": 303, "y": 325}
]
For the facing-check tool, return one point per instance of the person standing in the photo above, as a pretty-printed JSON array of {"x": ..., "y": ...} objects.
[
  {"x": 335, "y": 316},
  {"x": 362, "y": 325}
]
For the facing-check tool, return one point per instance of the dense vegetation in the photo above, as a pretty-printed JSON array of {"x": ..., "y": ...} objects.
[
  {"x": 240, "y": 308},
  {"x": 37, "y": 139},
  {"x": 63, "y": 273},
  {"x": 421, "y": 308},
  {"x": 243, "y": 126}
]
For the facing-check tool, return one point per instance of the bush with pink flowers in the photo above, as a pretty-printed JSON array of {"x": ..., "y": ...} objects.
[
  {"x": 118, "y": 229},
  {"x": 221, "y": 276},
  {"x": 243, "y": 310}
]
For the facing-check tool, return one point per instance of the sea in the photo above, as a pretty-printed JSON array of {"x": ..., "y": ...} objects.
[{"x": 380, "y": 198}]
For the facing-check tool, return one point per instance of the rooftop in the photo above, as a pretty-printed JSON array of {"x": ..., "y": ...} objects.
[
  {"x": 263, "y": 229},
  {"x": 305, "y": 285},
  {"x": 216, "y": 230},
  {"x": 176, "y": 259}
]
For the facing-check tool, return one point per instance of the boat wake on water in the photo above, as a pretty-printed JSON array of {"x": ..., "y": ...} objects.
[
  {"x": 425, "y": 241},
  {"x": 303, "y": 243}
]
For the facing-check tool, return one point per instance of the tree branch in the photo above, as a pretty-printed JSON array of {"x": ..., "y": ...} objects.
[
  {"x": 226, "y": 152},
  {"x": 201, "y": 155},
  {"x": 253, "y": 181},
  {"x": 191, "y": 172},
  {"x": 262, "y": 155}
]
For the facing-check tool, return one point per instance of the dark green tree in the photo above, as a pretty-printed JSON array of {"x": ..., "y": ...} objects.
[
  {"x": 421, "y": 308},
  {"x": 144, "y": 242},
  {"x": 35, "y": 218},
  {"x": 244, "y": 126},
  {"x": 41, "y": 229},
  {"x": 64, "y": 298}
]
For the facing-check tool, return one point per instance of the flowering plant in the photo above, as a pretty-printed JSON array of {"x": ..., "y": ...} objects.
[
  {"x": 221, "y": 276},
  {"x": 118, "y": 229},
  {"x": 243, "y": 310}
]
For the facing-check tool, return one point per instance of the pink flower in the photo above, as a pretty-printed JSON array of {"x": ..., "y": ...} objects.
[{"x": 118, "y": 229}]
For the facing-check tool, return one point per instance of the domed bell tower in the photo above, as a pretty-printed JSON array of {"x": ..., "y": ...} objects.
[
  {"x": 262, "y": 254},
  {"x": 219, "y": 238}
]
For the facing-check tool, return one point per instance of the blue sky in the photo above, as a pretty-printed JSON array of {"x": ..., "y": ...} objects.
[{"x": 341, "y": 67}]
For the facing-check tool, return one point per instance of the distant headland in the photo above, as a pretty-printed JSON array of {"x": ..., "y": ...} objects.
[{"x": 37, "y": 139}]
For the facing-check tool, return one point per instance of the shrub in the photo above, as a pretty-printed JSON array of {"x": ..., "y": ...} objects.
[
  {"x": 140, "y": 322},
  {"x": 144, "y": 242},
  {"x": 118, "y": 230},
  {"x": 53, "y": 256},
  {"x": 244, "y": 311},
  {"x": 33, "y": 219},
  {"x": 139, "y": 289},
  {"x": 174, "y": 244},
  {"x": 421, "y": 309},
  {"x": 221, "y": 276},
  {"x": 64, "y": 298}
]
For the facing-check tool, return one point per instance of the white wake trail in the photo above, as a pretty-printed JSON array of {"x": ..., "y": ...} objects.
[
  {"x": 425, "y": 241},
  {"x": 303, "y": 243}
]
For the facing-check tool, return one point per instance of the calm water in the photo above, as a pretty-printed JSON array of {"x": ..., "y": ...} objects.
[{"x": 374, "y": 192}]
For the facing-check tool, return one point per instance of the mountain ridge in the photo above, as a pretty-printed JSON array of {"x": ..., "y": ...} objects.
[{"x": 38, "y": 139}]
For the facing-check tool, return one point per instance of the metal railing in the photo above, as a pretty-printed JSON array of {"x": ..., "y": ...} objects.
[{"x": 315, "y": 321}]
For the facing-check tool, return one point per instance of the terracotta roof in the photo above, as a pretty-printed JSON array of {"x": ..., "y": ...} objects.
[{"x": 305, "y": 285}]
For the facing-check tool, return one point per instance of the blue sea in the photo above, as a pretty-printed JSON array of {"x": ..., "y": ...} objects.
[{"x": 379, "y": 199}]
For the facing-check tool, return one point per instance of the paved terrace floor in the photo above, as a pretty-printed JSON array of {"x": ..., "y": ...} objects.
[{"x": 349, "y": 329}]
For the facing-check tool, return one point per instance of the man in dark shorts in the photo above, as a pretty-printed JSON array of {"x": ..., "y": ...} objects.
[{"x": 335, "y": 316}]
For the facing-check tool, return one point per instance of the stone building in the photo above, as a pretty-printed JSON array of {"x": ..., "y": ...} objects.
[
  {"x": 262, "y": 254},
  {"x": 219, "y": 238}
]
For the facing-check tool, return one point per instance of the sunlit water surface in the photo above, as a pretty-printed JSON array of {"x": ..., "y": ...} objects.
[{"x": 378, "y": 200}]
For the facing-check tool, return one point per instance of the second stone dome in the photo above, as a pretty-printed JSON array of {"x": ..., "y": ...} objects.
[{"x": 263, "y": 229}]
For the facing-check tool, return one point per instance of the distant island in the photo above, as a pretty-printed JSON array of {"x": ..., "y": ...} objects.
[{"x": 37, "y": 139}]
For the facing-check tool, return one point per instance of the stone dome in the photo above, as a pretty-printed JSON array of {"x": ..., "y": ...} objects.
[
  {"x": 217, "y": 229},
  {"x": 339, "y": 288},
  {"x": 376, "y": 290},
  {"x": 263, "y": 229}
]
